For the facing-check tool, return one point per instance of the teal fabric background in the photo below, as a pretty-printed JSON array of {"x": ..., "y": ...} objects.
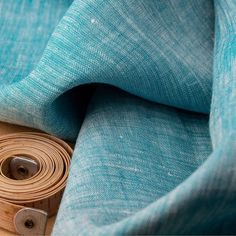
[{"x": 147, "y": 88}]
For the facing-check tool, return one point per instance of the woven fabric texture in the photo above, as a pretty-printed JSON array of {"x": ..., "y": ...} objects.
[{"x": 147, "y": 90}]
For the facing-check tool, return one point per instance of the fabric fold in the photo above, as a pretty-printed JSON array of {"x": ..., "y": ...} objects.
[
  {"x": 133, "y": 82},
  {"x": 129, "y": 155},
  {"x": 142, "y": 47}
]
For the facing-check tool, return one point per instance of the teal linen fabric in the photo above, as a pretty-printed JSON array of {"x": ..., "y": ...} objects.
[{"x": 147, "y": 88}]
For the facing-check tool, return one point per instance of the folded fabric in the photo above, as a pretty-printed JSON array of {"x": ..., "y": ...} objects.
[{"x": 134, "y": 81}]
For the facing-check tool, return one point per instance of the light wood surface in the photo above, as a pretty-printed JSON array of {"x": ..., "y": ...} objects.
[{"x": 6, "y": 128}]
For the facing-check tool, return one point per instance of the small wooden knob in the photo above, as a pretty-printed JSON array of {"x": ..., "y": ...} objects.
[
  {"x": 30, "y": 221},
  {"x": 23, "y": 167}
]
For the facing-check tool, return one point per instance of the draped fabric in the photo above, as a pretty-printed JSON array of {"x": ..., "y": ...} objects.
[{"x": 147, "y": 89}]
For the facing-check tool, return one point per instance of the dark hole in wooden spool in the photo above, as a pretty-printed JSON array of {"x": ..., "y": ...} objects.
[{"x": 29, "y": 224}]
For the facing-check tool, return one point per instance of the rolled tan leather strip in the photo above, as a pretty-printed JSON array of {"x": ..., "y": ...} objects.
[{"x": 33, "y": 172}]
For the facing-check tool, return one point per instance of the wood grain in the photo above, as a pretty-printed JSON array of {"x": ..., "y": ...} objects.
[{"x": 6, "y": 128}]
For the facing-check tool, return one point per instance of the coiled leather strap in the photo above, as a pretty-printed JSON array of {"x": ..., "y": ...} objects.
[{"x": 33, "y": 172}]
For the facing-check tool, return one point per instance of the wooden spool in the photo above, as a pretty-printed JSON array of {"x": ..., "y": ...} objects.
[{"x": 33, "y": 172}]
